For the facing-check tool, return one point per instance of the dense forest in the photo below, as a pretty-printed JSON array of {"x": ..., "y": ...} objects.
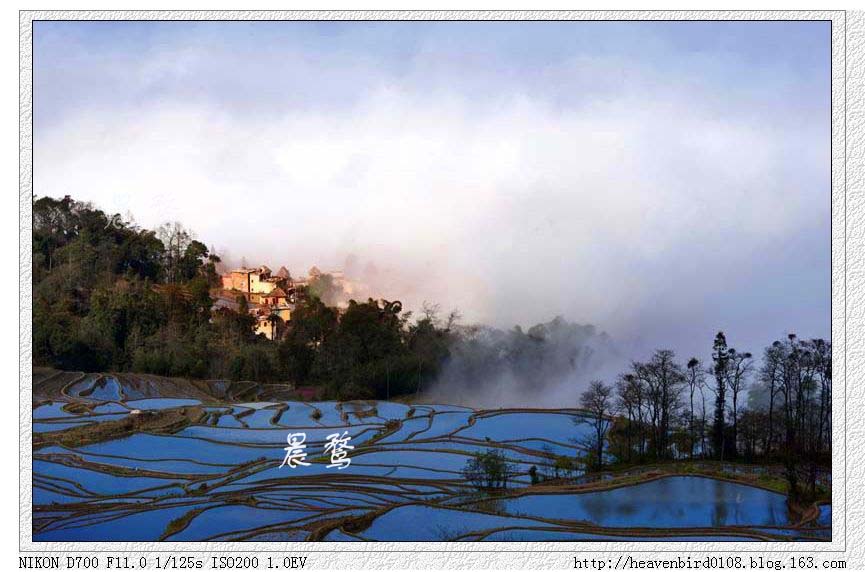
[{"x": 110, "y": 296}]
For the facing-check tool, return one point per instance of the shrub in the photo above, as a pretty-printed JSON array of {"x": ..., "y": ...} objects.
[
  {"x": 488, "y": 470},
  {"x": 566, "y": 467}
]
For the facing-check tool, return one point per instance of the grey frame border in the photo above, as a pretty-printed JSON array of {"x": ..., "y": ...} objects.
[{"x": 487, "y": 554}]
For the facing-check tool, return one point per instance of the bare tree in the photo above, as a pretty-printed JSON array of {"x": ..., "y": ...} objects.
[
  {"x": 740, "y": 367},
  {"x": 629, "y": 402},
  {"x": 703, "y": 417},
  {"x": 805, "y": 391},
  {"x": 821, "y": 355},
  {"x": 597, "y": 401},
  {"x": 176, "y": 240},
  {"x": 694, "y": 378},
  {"x": 663, "y": 378},
  {"x": 770, "y": 376}
]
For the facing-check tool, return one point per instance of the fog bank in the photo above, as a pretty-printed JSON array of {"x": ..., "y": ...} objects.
[{"x": 546, "y": 366}]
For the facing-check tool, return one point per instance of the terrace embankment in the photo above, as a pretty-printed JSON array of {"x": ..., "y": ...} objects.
[
  {"x": 158, "y": 421},
  {"x": 52, "y": 385}
]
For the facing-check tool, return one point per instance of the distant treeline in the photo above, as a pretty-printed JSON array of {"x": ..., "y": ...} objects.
[{"x": 732, "y": 409}]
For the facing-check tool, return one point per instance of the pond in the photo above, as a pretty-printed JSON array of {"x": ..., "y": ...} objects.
[
  {"x": 558, "y": 427},
  {"x": 422, "y": 523},
  {"x": 671, "y": 502}
]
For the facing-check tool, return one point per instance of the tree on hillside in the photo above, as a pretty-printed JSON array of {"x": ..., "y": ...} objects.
[
  {"x": 822, "y": 358},
  {"x": 770, "y": 376},
  {"x": 366, "y": 347},
  {"x": 694, "y": 379},
  {"x": 629, "y": 401},
  {"x": 428, "y": 341},
  {"x": 662, "y": 377},
  {"x": 720, "y": 371},
  {"x": 488, "y": 470},
  {"x": 740, "y": 367},
  {"x": 176, "y": 240},
  {"x": 311, "y": 324},
  {"x": 597, "y": 401}
]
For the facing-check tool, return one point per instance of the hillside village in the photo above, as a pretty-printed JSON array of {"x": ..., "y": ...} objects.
[{"x": 272, "y": 297}]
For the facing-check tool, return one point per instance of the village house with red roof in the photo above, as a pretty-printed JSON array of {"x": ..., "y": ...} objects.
[{"x": 271, "y": 298}]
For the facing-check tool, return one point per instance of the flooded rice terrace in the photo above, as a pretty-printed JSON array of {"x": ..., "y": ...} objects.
[{"x": 136, "y": 457}]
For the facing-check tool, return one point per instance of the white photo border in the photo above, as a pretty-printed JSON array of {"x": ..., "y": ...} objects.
[{"x": 848, "y": 258}]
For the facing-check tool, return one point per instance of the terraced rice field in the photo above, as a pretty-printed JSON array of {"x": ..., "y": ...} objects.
[{"x": 218, "y": 478}]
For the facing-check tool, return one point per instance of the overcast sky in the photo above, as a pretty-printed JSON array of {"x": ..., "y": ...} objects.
[{"x": 661, "y": 180}]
